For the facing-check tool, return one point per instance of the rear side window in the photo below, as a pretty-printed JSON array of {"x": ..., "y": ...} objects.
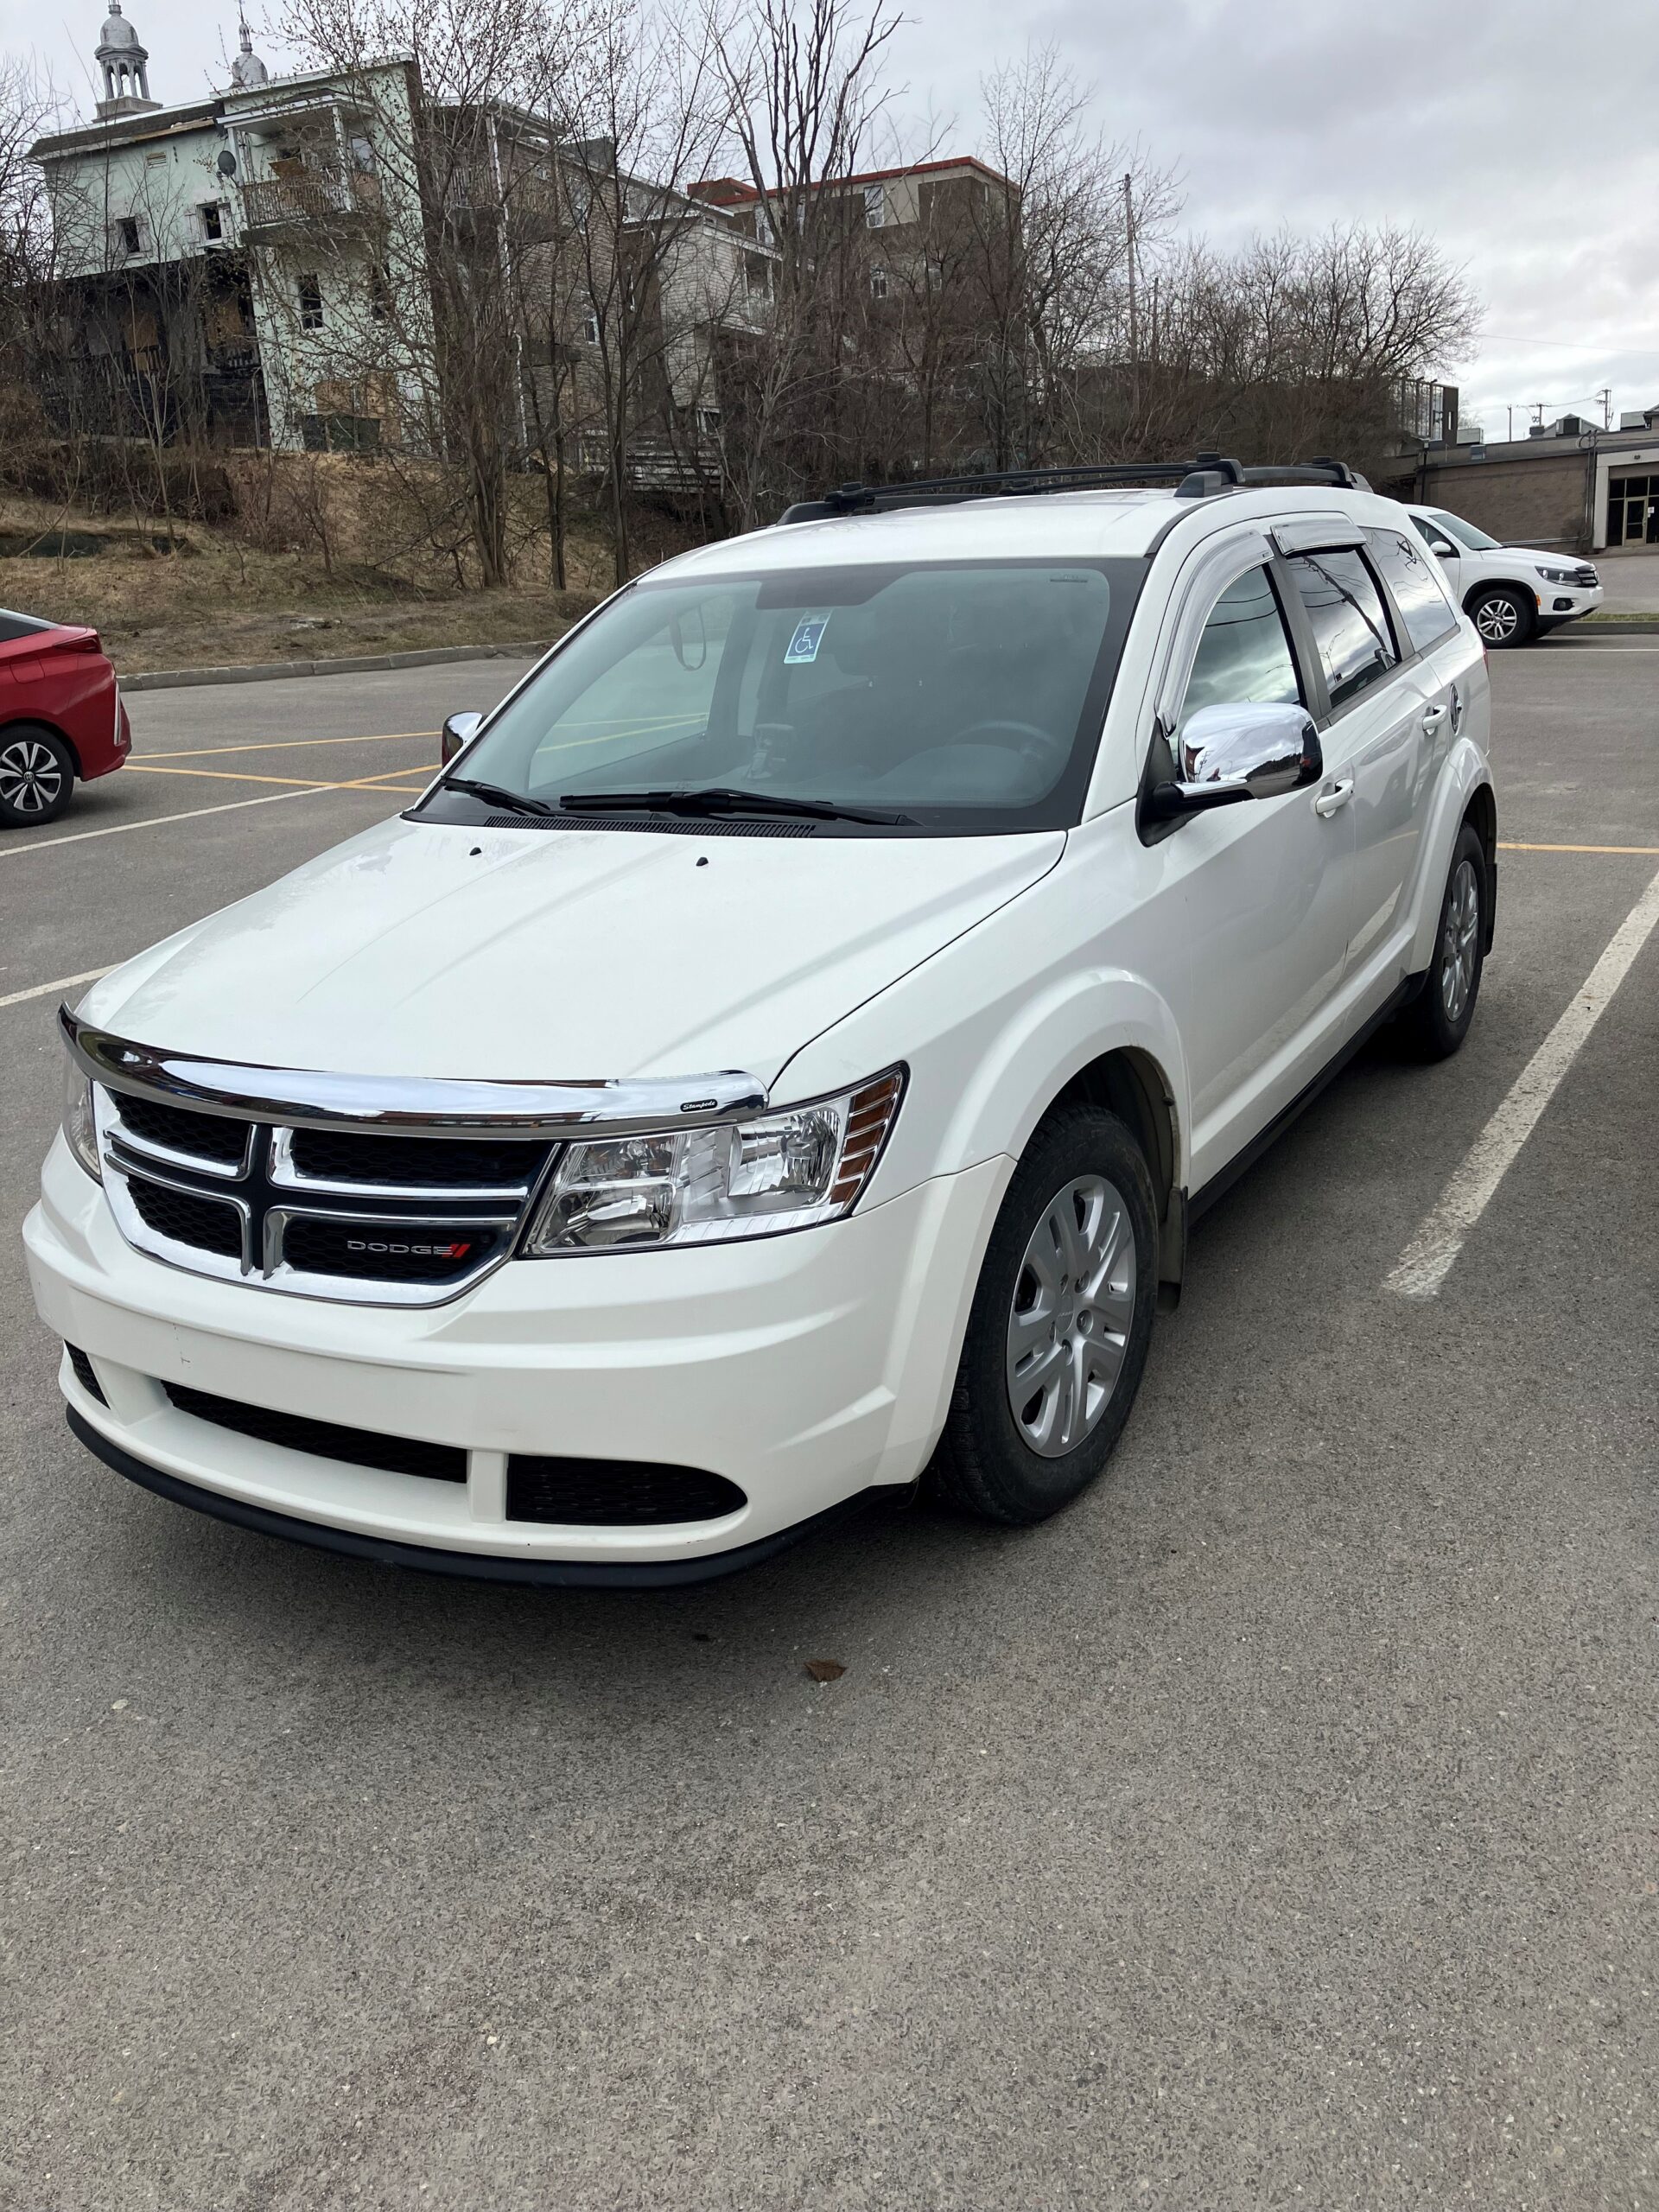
[
  {"x": 13, "y": 627},
  {"x": 1245, "y": 653},
  {"x": 1350, "y": 627},
  {"x": 1410, "y": 574}
]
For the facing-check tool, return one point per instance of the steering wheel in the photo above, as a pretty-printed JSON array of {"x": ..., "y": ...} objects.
[{"x": 1040, "y": 747}]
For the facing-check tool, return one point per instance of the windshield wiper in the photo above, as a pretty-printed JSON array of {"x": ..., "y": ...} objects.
[
  {"x": 721, "y": 800},
  {"x": 497, "y": 795}
]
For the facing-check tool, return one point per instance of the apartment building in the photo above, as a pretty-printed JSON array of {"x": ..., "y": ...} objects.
[{"x": 272, "y": 262}]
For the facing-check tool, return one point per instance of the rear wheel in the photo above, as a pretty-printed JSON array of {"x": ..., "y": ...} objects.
[
  {"x": 1438, "y": 1019},
  {"x": 1503, "y": 617},
  {"x": 1060, "y": 1323},
  {"x": 37, "y": 776}
]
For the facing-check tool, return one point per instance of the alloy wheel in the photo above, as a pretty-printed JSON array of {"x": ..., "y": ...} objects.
[
  {"x": 1458, "y": 941},
  {"x": 31, "y": 776},
  {"x": 1497, "y": 620},
  {"x": 1072, "y": 1309}
]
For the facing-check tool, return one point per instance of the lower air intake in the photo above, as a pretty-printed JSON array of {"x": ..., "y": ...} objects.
[
  {"x": 325, "y": 1439},
  {"x": 85, "y": 1374},
  {"x": 615, "y": 1493}
]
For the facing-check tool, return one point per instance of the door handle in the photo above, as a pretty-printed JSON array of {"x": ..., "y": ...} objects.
[
  {"x": 1337, "y": 793},
  {"x": 1434, "y": 719}
]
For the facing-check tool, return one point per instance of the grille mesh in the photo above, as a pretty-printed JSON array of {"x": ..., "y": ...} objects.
[
  {"x": 209, "y": 1136},
  {"x": 209, "y": 1225},
  {"x": 615, "y": 1493},
  {"x": 325, "y": 1439},
  {"x": 453, "y": 1163}
]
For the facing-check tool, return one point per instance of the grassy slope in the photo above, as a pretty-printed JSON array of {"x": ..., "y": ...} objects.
[{"x": 222, "y": 603}]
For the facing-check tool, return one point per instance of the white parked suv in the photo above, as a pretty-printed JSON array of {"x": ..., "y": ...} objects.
[
  {"x": 786, "y": 1049},
  {"x": 1511, "y": 593}
]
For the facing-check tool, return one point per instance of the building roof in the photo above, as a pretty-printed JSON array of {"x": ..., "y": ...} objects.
[
  {"x": 124, "y": 130},
  {"x": 731, "y": 191}
]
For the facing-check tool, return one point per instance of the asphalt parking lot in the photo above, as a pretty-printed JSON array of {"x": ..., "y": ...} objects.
[{"x": 1279, "y": 1827}]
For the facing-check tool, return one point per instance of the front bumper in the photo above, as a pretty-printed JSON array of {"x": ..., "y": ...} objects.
[
  {"x": 1559, "y": 603},
  {"x": 806, "y": 1369}
]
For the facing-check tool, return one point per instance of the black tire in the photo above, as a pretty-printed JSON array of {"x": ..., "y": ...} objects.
[
  {"x": 1438, "y": 1019},
  {"x": 37, "y": 776},
  {"x": 1505, "y": 617},
  {"x": 986, "y": 1464}
]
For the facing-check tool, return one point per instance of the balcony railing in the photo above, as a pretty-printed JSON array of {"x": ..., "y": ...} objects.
[{"x": 309, "y": 198}]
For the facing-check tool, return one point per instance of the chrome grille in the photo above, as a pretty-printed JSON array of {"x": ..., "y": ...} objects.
[{"x": 364, "y": 1216}]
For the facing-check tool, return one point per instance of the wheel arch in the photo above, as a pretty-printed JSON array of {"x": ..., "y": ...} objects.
[
  {"x": 1482, "y": 814},
  {"x": 1129, "y": 1082},
  {"x": 10, "y": 724}
]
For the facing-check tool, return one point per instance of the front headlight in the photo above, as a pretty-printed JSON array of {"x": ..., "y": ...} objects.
[
  {"x": 1555, "y": 575},
  {"x": 732, "y": 1178},
  {"x": 79, "y": 1127}
]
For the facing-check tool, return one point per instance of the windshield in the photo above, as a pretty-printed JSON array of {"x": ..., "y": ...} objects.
[
  {"x": 1465, "y": 533},
  {"x": 966, "y": 697}
]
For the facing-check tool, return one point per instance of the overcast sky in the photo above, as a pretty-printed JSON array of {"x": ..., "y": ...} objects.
[{"x": 1521, "y": 134}]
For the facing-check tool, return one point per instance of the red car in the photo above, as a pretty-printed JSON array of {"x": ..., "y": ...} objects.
[{"x": 60, "y": 717}]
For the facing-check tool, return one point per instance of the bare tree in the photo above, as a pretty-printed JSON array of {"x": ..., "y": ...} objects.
[
  {"x": 1055, "y": 258},
  {"x": 803, "y": 91},
  {"x": 636, "y": 111},
  {"x": 434, "y": 310}
]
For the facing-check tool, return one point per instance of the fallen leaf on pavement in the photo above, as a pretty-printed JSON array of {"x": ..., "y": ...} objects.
[{"x": 825, "y": 1670}]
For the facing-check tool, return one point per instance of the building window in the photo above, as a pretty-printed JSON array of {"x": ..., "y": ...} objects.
[
  {"x": 590, "y": 326},
  {"x": 379, "y": 291},
  {"x": 213, "y": 222},
  {"x": 310, "y": 302},
  {"x": 763, "y": 230},
  {"x": 126, "y": 234},
  {"x": 708, "y": 420},
  {"x": 878, "y": 284},
  {"x": 875, "y": 207},
  {"x": 363, "y": 155}
]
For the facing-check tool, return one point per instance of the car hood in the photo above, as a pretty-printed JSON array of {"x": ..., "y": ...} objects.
[{"x": 427, "y": 950}]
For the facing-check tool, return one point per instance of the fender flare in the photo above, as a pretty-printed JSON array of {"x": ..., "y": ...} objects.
[
  {"x": 1465, "y": 774},
  {"x": 1080, "y": 1019}
]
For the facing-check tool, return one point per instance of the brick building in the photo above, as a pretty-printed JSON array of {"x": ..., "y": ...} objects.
[{"x": 1573, "y": 485}]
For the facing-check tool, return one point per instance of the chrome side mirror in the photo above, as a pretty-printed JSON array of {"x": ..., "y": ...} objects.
[
  {"x": 457, "y": 732},
  {"x": 1227, "y": 753}
]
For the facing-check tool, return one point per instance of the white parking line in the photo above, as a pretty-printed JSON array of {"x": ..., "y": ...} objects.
[
  {"x": 160, "y": 820},
  {"x": 1428, "y": 1258},
  {"x": 63, "y": 983}
]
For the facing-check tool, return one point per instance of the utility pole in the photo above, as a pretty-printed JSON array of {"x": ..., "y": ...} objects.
[
  {"x": 1509, "y": 430},
  {"x": 1606, "y": 396},
  {"x": 1128, "y": 232}
]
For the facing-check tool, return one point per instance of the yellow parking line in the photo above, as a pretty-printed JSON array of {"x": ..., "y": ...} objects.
[
  {"x": 283, "y": 744},
  {"x": 232, "y": 776},
  {"x": 1649, "y": 850}
]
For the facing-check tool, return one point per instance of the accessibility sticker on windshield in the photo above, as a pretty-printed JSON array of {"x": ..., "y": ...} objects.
[{"x": 809, "y": 635}]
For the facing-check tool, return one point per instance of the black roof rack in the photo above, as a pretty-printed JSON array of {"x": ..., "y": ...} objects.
[{"x": 1204, "y": 477}]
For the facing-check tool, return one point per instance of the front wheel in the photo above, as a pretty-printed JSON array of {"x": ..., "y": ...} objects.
[
  {"x": 1503, "y": 619},
  {"x": 1061, "y": 1320},
  {"x": 1438, "y": 1019},
  {"x": 37, "y": 776}
]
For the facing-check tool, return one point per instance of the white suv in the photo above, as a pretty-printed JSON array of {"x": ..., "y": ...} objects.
[
  {"x": 1510, "y": 593},
  {"x": 786, "y": 1049}
]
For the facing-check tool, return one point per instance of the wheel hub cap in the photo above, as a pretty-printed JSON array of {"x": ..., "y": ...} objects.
[
  {"x": 30, "y": 776},
  {"x": 1497, "y": 620},
  {"x": 1069, "y": 1321},
  {"x": 1459, "y": 941}
]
